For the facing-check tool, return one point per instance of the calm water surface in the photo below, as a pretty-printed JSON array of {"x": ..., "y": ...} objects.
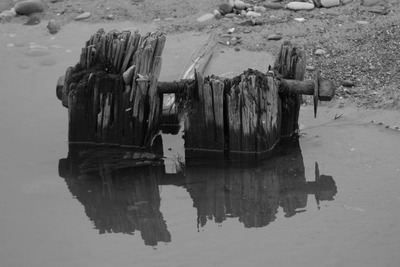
[{"x": 329, "y": 199}]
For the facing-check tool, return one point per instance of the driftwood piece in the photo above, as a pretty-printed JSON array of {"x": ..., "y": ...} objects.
[
  {"x": 290, "y": 64},
  {"x": 108, "y": 105}
]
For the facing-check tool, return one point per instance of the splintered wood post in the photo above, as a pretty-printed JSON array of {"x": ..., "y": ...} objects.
[
  {"x": 253, "y": 112},
  {"x": 204, "y": 121},
  {"x": 290, "y": 64},
  {"x": 233, "y": 118},
  {"x": 111, "y": 94}
]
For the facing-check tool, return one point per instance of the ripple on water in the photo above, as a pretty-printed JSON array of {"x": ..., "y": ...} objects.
[
  {"x": 23, "y": 66},
  {"x": 37, "y": 50},
  {"x": 48, "y": 62}
]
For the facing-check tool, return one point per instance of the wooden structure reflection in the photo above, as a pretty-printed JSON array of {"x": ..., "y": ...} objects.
[{"x": 120, "y": 189}]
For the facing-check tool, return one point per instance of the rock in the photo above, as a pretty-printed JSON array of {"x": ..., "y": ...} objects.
[
  {"x": 382, "y": 10},
  {"x": 59, "y": 87},
  {"x": 270, "y": 5},
  {"x": 205, "y": 17},
  {"x": 370, "y": 2},
  {"x": 317, "y": 3},
  {"x": 246, "y": 31},
  {"x": 127, "y": 76},
  {"x": 320, "y": 52},
  {"x": 83, "y": 16},
  {"x": 348, "y": 83},
  {"x": 300, "y": 19},
  {"x": 54, "y": 26},
  {"x": 299, "y": 6},
  {"x": 330, "y": 3},
  {"x": 29, "y": 7},
  {"x": 225, "y": 8},
  {"x": 7, "y": 14},
  {"x": 274, "y": 36},
  {"x": 240, "y": 5},
  {"x": 259, "y": 9},
  {"x": 110, "y": 17},
  {"x": 344, "y": 2},
  {"x": 217, "y": 14},
  {"x": 310, "y": 68},
  {"x": 252, "y": 14}
]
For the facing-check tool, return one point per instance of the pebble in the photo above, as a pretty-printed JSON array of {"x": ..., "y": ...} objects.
[
  {"x": 83, "y": 16},
  {"x": 225, "y": 8},
  {"x": 259, "y": 9},
  {"x": 299, "y": 6},
  {"x": 370, "y": 2},
  {"x": 253, "y": 14},
  {"x": 300, "y": 19},
  {"x": 273, "y": 5},
  {"x": 110, "y": 17},
  {"x": 330, "y": 3},
  {"x": 310, "y": 68},
  {"x": 53, "y": 26},
  {"x": 274, "y": 36},
  {"x": 320, "y": 52},
  {"x": 217, "y": 14},
  {"x": 8, "y": 14},
  {"x": 246, "y": 31},
  {"x": 128, "y": 75},
  {"x": 205, "y": 17},
  {"x": 29, "y": 7},
  {"x": 348, "y": 83},
  {"x": 240, "y": 5}
]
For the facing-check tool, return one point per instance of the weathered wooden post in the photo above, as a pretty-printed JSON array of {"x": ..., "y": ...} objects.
[
  {"x": 111, "y": 94},
  {"x": 235, "y": 118},
  {"x": 290, "y": 64}
]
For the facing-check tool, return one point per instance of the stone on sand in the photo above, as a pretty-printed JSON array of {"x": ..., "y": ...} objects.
[{"x": 29, "y": 7}]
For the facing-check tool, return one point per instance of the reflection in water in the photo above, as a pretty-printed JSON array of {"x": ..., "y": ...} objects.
[
  {"x": 120, "y": 189},
  {"x": 254, "y": 193}
]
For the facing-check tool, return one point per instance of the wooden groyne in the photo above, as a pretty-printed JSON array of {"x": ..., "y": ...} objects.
[{"x": 113, "y": 96}]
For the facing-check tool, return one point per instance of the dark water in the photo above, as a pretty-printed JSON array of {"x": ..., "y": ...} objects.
[{"x": 330, "y": 198}]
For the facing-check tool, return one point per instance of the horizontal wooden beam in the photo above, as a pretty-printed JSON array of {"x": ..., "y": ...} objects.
[
  {"x": 286, "y": 86},
  {"x": 326, "y": 89}
]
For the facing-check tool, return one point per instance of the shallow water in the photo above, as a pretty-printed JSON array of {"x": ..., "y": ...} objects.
[{"x": 330, "y": 200}]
